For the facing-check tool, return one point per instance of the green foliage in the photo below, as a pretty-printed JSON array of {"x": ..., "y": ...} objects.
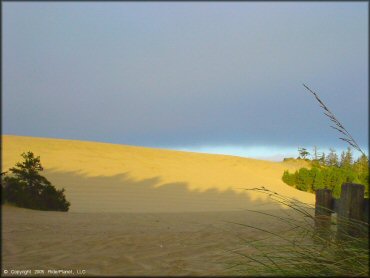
[
  {"x": 331, "y": 173},
  {"x": 299, "y": 248},
  {"x": 346, "y": 159},
  {"x": 303, "y": 153},
  {"x": 315, "y": 154},
  {"x": 304, "y": 180},
  {"x": 25, "y": 187},
  {"x": 332, "y": 158},
  {"x": 288, "y": 178}
]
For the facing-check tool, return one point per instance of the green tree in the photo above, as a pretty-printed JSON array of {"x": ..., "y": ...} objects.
[
  {"x": 303, "y": 153},
  {"x": 329, "y": 172},
  {"x": 332, "y": 158},
  {"x": 346, "y": 159},
  {"x": 288, "y": 178},
  {"x": 25, "y": 187},
  {"x": 303, "y": 181},
  {"x": 315, "y": 153},
  {"x": 318, "y": 182},
  {"x": 322, "y": 159},
  {"x": 361, "y": 166}
]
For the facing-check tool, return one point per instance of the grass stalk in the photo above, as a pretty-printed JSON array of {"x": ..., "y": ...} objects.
[{"x": 300, "y": 250}]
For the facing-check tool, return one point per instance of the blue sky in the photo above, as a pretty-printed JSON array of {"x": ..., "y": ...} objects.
[{"x": 212, "y": 76}]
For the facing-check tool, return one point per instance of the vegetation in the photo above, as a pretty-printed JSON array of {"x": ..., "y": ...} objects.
[
  {"x": 25, "y": 187},
  {"x": 329, "y": 171},
  {"x": 347, "y": 137},
  {"x": 303, "y": 249},
  {"x": 303, "y": 153},
  {"x": 300, "y": 249}
]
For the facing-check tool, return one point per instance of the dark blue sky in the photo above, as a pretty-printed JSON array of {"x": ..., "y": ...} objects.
[{"x": 222, "y": 77}]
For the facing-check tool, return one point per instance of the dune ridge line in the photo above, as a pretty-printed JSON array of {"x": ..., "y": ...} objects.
[{"x": 103, "y": 177}]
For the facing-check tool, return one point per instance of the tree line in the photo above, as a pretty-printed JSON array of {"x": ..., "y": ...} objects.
[{"x": 329, "y": 171}]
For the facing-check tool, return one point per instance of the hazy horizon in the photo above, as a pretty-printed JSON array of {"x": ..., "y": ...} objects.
[{"x": 271, "y": 153}]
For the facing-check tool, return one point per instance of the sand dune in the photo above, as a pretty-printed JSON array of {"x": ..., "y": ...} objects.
[
  {"x": 100, "y": 177},
  {"x": 140, "y": 211}
]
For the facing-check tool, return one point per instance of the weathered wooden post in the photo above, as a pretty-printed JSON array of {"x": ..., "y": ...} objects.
[
  {"x": 323, "y": 210},
  {"x": 351, "y": 210},
  {"x": 366, "y": 210}
]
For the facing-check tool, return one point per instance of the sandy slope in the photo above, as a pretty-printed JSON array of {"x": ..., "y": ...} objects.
[
  {"x": 140, "y": 211},
  {"x": 100, "y": 177}
]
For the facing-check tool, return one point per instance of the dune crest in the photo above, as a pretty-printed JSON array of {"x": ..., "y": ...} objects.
[{"x": 101, "y": 177}]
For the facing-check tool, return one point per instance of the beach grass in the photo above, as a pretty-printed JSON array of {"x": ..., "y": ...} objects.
[{"x": 301, "y": 249}]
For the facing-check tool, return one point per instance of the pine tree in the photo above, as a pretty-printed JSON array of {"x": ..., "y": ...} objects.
[
  {"x": 303, "y": 153},
  {"x": 25, "y": 187},
  {"x": 322, "y": 159},
  {"x": 348, "y": 159},
  {"x": 318, "y": 182},
  {"x": 361, "y": 166},
  {"x": 315, "y": 153},
  {"x": 332, "y": 158}
]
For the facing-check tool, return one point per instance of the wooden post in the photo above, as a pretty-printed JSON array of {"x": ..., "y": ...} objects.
[
  {"x": 366, "y": 210},
  {"x": 323, "y": 210},
  {"x": 351, "y": 210}
]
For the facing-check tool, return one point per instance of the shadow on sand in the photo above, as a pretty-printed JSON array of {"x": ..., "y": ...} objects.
[{"x": 120, "y": 193}]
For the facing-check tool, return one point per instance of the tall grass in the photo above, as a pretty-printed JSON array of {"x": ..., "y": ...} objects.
[
  {"x": 347, "y": 137},
  {"x": 302, "y": 249},
  {"x": 305, "y": 247}
]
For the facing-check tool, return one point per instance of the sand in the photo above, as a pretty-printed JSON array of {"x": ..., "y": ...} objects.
[
  {"x": 140, "y": 211},
  {"x": 191, "y": 243},
  {"x": 102, "y": 177}
]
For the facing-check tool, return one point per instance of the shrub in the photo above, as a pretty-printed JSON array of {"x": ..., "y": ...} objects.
[
  {"x": 331, "y": 177},
  {"x": 25, "y": 187}
]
